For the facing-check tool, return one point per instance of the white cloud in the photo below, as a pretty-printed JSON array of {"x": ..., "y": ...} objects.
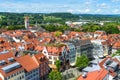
[
  {"x": 116, "y": 11},
  {"x": 103, "y": 5},
  {"x": 98, "y": 10},
  {"x": 32, "y": 7},
  {"x": 88, "y": 6},
  {"x": 86, "y": 10},
  {"x": 70, "y": 10},
  {"x": 87, "y": 2},
  {"x": 79, "y": 10},
  {"x": 115, "y": 0}
]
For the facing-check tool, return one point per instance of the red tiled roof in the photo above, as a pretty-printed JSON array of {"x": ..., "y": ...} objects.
[
  {"x": 40, "y": 56},
  {"x": 39, "y": 48},
  {"x": 2, "y": 39},
  {"x": 99, "y": 32},
  {"x": 27, "y": 62},
  {"x": 0, "y": 78},
  {"x": 117, "y": 44},
  {"x": 101, "y": 64},
  {"x": 11, "y": 72},
  {"x": 55, "y": 50},
  {"x": 112, "y": 73},
  {"x": 104, "y": 37},
  {"x": 6, "y": 56},
  {"x": 95, "y": 75}
]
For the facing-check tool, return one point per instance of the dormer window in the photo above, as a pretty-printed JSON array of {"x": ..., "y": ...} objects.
[
  {"x": 44, "y": 51},
  {"x": 11, "y": 59},
  {"x": 3, "y": 62},
  {"x": 50, "y": 57},
  {"x": 2, "y": 42},
  {"x": 41, "y": 59}
]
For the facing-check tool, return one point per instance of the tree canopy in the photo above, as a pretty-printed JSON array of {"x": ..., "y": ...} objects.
[
  {"x": 109, "y": 27},
  {"x": 55, "y": 75},
  {"x": 82, "y": 61},
  {"x": 58, "y": 33},
  {"x": 13, "y": 19},
  {"x": 117, "y": 53},
  {"x": 57, "y": 63},
  {"x": 56, "y": 21}
]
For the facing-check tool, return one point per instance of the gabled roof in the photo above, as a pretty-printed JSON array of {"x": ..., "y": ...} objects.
[
  {"x": 40, "y": 58},
  {"x": 39, "y": 48},
  {"x": 5, "y": 56},
  {"x": 2, "y": 39},
  {"x": 27, "y": 62},
  {"x": 116, "y": 45},
  {"x": 80, "y": 42},
  {"x": 11, "y": 72},
  {"x": 99, "y": 32},
  {"x": 103, "y": 61},
  {"x": 114, "y": 63},
  {"x": 95, "y": 75},
  {"x": 55, "y": 50}
]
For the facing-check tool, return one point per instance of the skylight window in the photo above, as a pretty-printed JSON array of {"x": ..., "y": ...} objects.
[
  {"x": 3, "y": 62},
  {"x": 11, "y": 67},
  {"x": 11, "y": 59}
]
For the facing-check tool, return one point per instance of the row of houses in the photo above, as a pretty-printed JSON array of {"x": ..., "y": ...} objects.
[
  {"x": 65, "y": 48},
  {"x": 23, "y": 68},
  {"x": 65, "y": 51},
  {"x": 97, "y": 44}
]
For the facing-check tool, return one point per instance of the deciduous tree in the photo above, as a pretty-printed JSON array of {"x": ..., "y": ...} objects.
[{"x": 55, "y": 75}]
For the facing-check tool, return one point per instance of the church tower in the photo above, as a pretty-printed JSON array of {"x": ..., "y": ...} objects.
[{"x": 26, "y": 22}]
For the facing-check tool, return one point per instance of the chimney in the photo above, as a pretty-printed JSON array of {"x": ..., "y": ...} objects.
[
  {"x": 32, "y": 55},
  {"x": 84, "y": 75}
]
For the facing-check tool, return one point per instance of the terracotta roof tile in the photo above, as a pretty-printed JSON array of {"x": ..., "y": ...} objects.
[
  {"x": 55, "y": 50},
  {"x": 27, "y": 62},
  {"x": 39, "y": 48},
  {"x": 11, "y": 72},
  {"x": 40, "y": 58},
  {"x": 116, "y": 45},
  {"x": 5, "y": 56},
  {"x": 95, "y": 75}
]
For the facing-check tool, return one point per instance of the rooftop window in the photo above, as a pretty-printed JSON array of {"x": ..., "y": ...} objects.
[
  {"x": 3, "y": 62},
  {"x": 11, "y": 67},
  {"x": 11, "y": 59}
]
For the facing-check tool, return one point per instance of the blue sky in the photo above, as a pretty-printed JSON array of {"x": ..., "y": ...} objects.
[{"x": 73, "y": 6}]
